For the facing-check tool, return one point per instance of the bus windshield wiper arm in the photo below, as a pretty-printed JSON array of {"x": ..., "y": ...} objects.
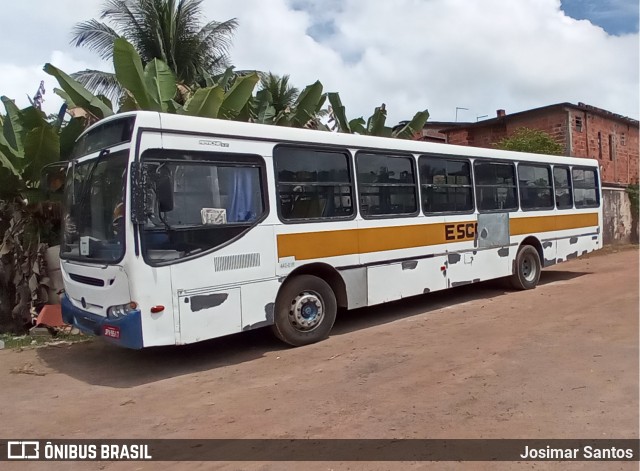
[{"x": 86, "y": 187}]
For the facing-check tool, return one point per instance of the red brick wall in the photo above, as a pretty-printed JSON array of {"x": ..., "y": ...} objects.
[
  {"x": 561, "y": 124},
  {"x": 459, "y": 137},
  {"x": 553, "y": 122},
  {"x": 616, "y": 148}
]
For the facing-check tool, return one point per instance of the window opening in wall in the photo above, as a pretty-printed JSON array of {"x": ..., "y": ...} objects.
[
  {"x": 599, "y": 145},
  {"x": 578, "y": 124},
  {"x": 612, "y": 151}
]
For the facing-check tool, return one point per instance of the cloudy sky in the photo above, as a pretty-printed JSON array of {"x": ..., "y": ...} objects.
[{"x": 409, "y": 54}]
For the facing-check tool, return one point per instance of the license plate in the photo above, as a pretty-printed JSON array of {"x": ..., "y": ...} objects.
[{"x": 110, "y": 331}]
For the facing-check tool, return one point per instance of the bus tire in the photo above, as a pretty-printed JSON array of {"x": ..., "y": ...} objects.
[
  {"x": 527, "y": 268},
  {"x": 305, "y": 311}
]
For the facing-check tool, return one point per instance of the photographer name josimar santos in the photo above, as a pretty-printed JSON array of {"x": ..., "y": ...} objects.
[{"x": 586, "y": 452}]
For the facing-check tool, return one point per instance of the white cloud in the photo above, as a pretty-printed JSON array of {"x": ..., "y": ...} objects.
[
  {"x": 410, "y": 54},
  {"x": 440, "y": 54},
  {"x": 19, "y": 82}
]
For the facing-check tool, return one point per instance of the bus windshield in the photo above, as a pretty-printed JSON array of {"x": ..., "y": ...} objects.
[{"x": 93, "y": 219}]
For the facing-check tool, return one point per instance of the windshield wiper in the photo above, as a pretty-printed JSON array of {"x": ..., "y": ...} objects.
[{"x": 86, "y": 187}]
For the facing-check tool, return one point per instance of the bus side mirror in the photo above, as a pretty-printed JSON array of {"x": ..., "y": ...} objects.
[
  {"x": 164, "y": 190},
  {"x": 52, "y": 179}
]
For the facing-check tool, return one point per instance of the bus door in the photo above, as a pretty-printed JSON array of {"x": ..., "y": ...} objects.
[
  {"x": 215, "y": 226},
  {"x": 493, "y": 250},
  {"x": 479, "y": 250}
]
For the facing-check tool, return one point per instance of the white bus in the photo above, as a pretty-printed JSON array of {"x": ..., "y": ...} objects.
[{"x": 180, "y": 229}]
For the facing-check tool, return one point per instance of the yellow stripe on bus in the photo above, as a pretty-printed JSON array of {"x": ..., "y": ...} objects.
[
  {"x": 531, "y": 225},
  {"x": 315, "y": 245}
]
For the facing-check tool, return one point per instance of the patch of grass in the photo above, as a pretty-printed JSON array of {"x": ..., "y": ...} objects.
[{"x": 26, "y": 341}]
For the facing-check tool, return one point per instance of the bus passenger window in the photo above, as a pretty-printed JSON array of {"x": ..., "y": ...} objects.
[
  {"x": 562, "y": 182},
  {"x": 386, "y": 184},
  {"x": 585, "y": 187},
  {"x": 446, "y": 185},
  {"x": 313, "y": 184},
  {"x": 535, "y": 186},
  {"x": 495, "y": 186}
]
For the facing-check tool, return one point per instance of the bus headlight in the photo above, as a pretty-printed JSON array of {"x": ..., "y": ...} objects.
[{"x": 121, "y": 310}]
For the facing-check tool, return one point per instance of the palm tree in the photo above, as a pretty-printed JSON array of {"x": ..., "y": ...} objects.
[
  {"x": 282, "y": 93},
  {"x": 169, "y": 30}
]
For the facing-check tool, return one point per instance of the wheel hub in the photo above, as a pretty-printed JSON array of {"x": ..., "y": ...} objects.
[
  {"x": 307, "y": 311},
  {"x": 529, "y": 270}
]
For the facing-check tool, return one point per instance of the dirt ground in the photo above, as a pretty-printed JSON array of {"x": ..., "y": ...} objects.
[{"x": 560, "y": 361}]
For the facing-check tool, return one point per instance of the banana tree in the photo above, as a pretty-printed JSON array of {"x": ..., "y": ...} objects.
[
  {"x": 216, "y": 102},
  {"x": 28, "y": 142},
  {"x": 375, "y": 125}
]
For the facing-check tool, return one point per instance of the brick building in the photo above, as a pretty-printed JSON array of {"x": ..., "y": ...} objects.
[{"x": 582, "y": 130}]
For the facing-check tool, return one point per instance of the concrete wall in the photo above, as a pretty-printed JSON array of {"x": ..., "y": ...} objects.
[{"x": 619, "y": 225}]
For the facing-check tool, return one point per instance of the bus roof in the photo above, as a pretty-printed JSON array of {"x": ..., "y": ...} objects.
[{"x": 279, "y": 134}]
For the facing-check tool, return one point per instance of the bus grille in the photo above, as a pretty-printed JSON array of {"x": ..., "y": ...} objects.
[
  {"x": 86, "y": 280},
  {"x": 237, "y": 262}
]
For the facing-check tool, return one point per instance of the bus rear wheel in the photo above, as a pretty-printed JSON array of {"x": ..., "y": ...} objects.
[
  {"x": 305, "y": 311},
  {"x": 527, "y": 268}
]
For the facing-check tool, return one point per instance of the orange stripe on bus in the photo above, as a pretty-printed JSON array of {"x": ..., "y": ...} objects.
[
  {"x": 531, "y": 225},
  {"x": 314, "y": 245}
]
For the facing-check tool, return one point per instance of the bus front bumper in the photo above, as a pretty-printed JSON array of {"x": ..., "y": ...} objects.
[{"x": 124, "y": 331}]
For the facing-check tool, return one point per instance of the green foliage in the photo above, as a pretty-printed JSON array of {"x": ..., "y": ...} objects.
[
  {"x": 27, "y": 228},
  {"x": 171, "y": 31},
  {"x": 78, "y": 96},
  {"x": 238, "y": 96},
  {"x": 28, "y": 142},
  {"x": 531, "y": 140},
  {"x": 229, "y": 95},
  {"x": 283, "y": 94},
  {"x": 409, "y": 130},
  {"x": 375, "y": 125},
  {"x": 205, "y": 102},
  {"x": 632, "y": 191},
  {"x": 152, "y": 87}
]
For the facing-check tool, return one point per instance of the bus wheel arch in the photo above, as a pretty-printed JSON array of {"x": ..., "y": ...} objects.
[
  {"x": 327, "y": 273},
  {"x": 305, "y": 310},
  {"x": 527, "y": 265}
]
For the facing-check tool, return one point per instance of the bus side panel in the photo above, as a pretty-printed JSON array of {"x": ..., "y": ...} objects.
[
  {"x": 549, "y": 251},
  {"x": 576, "y": 246},
  {"x": 208, "y": 289},
  {"x": 152, "y": 287},
  {"x": 480, "y": 265},
  {"x": 258, "y": 302},
  {"x": 407, "y": 278},
  {"x": 209, "y": 314}
]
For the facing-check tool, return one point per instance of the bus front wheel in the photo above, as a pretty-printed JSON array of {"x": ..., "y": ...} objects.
[
  {"x": 527, "y": 268},
  {"x": 305, "y": 311}
]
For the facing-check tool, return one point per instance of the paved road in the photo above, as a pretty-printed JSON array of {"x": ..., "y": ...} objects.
[{"x": 560, "y": 361}]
